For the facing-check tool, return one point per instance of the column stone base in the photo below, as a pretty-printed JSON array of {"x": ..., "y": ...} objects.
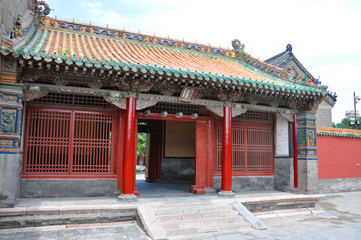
[
  {"x": 128, "y": 197},
  {"x": 226, "y": 194},
  {"x": 209, "y": 190},
  {"x": 308, "y": 182},
  {"x": 197, "y": 190}
]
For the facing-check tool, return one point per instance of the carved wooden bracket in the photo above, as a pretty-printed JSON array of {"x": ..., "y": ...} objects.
[
  {"x": 33, "y": 94},
  {"x": 121, "y": 102},
  {"x": 253, "y": 101},
  {"x": 134, "y": 85},
  {"x": 224, "y": 95},
  {"x": 287, "y": 116},
  {"x": 274, "y": 104},
  {"x": 219, "y": 111},
  {"x": 238, "y": 111},
  {"x": 216, "y": 110},
  {"x": 97, "y": 84},
  {"x": 32, "y": 74}
]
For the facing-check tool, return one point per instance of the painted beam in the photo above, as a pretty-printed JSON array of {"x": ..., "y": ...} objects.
[{"x": 144, "y": 96}]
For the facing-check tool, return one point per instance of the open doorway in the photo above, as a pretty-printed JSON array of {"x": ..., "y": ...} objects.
[{"x": 169, "y": 157}]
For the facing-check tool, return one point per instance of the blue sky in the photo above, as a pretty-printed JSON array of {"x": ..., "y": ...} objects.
[{"x": 325, "y": 34}]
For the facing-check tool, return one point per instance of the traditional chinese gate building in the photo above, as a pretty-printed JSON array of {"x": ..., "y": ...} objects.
[{"x": 74, "y": 96}]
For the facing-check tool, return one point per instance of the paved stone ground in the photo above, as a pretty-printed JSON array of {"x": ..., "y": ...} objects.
[
  {"x": 127, "y": 231},
  {"x": 340, "y": 220}
]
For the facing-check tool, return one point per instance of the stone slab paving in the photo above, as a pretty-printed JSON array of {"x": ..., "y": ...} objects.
[
  {"x": 127, "y": 231},
  {"x": 340, "y": 218}
]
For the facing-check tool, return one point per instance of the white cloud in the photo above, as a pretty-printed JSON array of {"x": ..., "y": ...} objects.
[{"x": 98, "y": 15}]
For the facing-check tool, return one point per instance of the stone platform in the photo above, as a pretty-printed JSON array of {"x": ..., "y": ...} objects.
[{"x": 164, "y": 217}]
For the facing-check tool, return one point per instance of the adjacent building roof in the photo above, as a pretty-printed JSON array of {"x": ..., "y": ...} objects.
[
  {"x": 287, "y": 57},
  {"x": 78, "y": 45},
  {"x": 340, "y": 132}
]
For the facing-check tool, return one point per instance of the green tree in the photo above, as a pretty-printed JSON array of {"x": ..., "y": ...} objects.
[
  {"x": 141, "y": 144},
  {"x": 345, "y": 124}
]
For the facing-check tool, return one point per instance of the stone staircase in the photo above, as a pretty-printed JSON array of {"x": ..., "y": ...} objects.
[
  {"x": 48, "y": 216},
  {"x": 196, "y": 220},
  {"x": 46, "y": 222}
]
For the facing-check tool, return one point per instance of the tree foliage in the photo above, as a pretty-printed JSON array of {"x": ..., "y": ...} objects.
[
  {"x": 141, "y": 144},
  {"x": 345, "y": 124}
]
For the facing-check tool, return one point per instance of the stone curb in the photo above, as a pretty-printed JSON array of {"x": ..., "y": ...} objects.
[
  {"x": 151, "y": 224},
  {"x": 253, "y": 220}
]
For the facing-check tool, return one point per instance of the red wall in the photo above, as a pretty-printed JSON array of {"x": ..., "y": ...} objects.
[{"x": 338, "y": 157}]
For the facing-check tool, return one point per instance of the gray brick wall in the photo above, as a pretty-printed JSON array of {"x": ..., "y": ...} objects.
[
  {"x": 324, "y": 115},
  {"x": 339, "y": 185},
  {"x": 96, "y": 187},
  {"x": 9, "y": 11},
  {"x": 251, "y": 183}
]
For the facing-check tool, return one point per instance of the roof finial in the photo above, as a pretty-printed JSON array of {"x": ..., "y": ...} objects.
[{"x": 289, "y": 48}]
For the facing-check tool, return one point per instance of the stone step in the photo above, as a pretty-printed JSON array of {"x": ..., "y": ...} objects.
[
  {"x": 181, "y": 204},
  {"x": 194, "y": 209},
  {"x": 287, "y": 212},
  {"x": 114, "y": 230},
  {"x": 21, "y": 211},
  {"x": 193, "y": 237},
  {"x": 202, "y": 222},
  {"x": 238, "y": 226},
  {"x": 269, "y": 204},
  {"x": 188, "y": 216},
  {"x": 48, "y": 220}
]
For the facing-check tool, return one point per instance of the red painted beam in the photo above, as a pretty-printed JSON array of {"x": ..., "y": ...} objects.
[
  {"x": 227, "y": 150},
  {"x": 129, "y": 147},
  {"x": 295, "y": 153},
  {"x": 172, "y": 117}
]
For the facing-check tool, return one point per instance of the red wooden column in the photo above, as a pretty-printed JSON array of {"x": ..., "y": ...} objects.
[
  {"x": 201, "y": 158},
  {"x": 227, "y": 153},
  {"x": 129, "y": 151},
  {"x": 119, "y": 151},
  {"x": 212, "y": 153},
  {"x": 155, "y": 152}
]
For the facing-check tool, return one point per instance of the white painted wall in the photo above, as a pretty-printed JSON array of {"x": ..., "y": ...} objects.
[{"x": 281, "y": 137}]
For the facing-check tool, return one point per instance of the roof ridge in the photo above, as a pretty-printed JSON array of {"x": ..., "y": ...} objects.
[
  {"x": 138, "y": 36},
  {"x": 133, "y": 41}
]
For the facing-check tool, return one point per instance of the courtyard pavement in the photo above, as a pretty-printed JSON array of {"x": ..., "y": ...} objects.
[{"x": 339, "y": 219}]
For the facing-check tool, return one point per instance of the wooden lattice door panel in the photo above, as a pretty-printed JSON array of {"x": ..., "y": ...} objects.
[
  {"x": 47, "y": 142},
  {"x": 68, "y": 142},
  {"x": 92, "y": 143},
  {"x": 238, "y": 148},
  {"x": 259, "y": 148},
  {"x": 252, "y": 148}
]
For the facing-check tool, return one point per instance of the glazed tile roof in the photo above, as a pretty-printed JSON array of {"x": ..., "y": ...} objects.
[
  {"x": 71, "y": 45},
  {"x": 285, "y": 57},
  {"x": 341, "y": 132}
]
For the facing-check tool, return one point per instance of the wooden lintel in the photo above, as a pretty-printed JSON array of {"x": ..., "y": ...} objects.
[{"x": 144, "y": 96}]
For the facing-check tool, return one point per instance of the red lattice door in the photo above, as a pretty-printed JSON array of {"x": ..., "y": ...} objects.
[
  {"x": 252, "y": 148},
  {"x": 62, "y": 142}
]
